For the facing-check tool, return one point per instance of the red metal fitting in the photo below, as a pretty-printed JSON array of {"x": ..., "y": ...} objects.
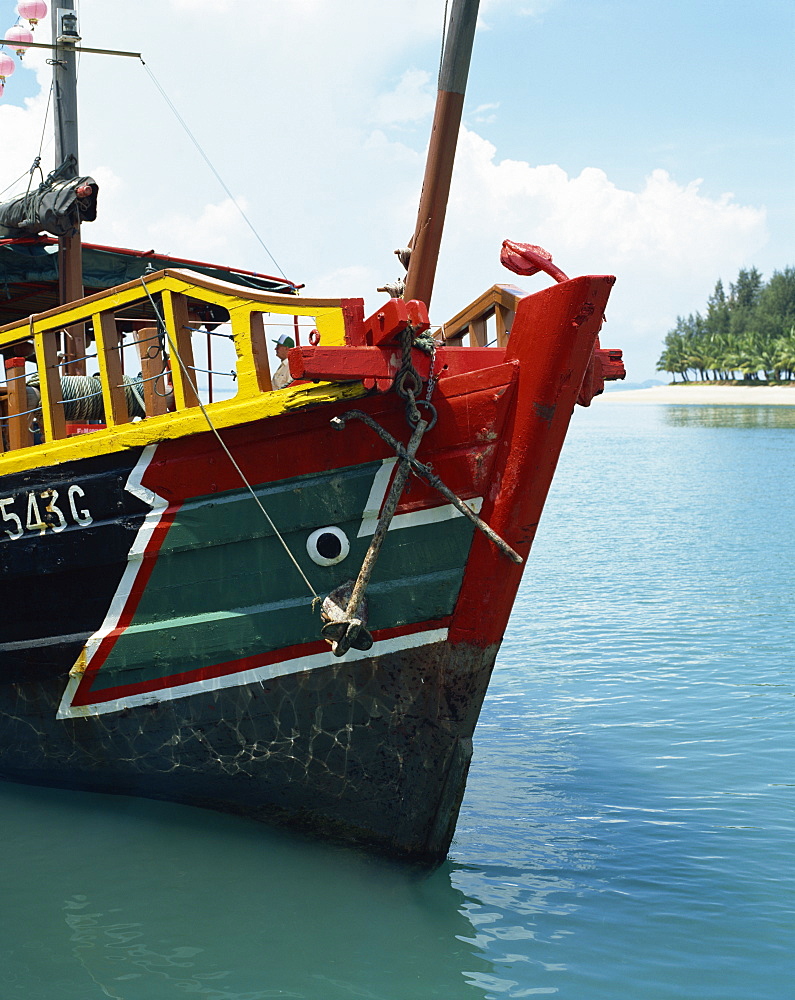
[
  {"x": 526, "y": 258},
  {"x": 612, "y": 364},
  {"x": 392, "y": 318},
  {"x": 606, "y": 365}
]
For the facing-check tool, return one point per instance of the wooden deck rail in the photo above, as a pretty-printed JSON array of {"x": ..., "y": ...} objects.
[
  {"x": 499, "y": 301},
  {"x": 37, "y": 339},
  {"x": 33, "y": 347}
]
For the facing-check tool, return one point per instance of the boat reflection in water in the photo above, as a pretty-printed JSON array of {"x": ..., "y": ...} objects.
[{"x": 151, "y": 903}]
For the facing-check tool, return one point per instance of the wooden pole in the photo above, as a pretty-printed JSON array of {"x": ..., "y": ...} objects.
[
  {"x": 441, "y": 151},
  {"x": 70, "y": 248},
  {"x": 19, "y": 433},
  {"x": 153, "y": 370}
]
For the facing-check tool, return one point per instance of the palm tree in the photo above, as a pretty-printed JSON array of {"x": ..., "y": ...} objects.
[{"x": 750, "y": 331}]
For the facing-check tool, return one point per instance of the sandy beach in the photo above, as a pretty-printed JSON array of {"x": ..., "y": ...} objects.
[{"x": 706, "y": 395}]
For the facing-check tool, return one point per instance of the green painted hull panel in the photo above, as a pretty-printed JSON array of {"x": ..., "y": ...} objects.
[{"x": 224, "y": 590}]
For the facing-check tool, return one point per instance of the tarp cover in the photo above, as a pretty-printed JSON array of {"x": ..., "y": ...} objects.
[
  {"x": 55, "y": 207},
  {"x": 29, "y": 274}
]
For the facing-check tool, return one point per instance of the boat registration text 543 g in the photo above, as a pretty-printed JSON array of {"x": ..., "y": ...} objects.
[{"x": 39, "y": 512}]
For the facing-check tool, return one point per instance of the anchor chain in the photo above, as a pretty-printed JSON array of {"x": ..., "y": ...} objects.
[
  {"x": 346, "y": 628},
  {"x": 349, "y": 630},
  {"x": 408, "y": 384}
]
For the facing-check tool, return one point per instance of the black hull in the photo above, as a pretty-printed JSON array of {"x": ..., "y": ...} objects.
[
  {"x": 375, "y": 751},
  {"x": 55, "y": 590}
]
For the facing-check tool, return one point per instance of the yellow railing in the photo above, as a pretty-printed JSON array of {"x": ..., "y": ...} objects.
[
  {"x": 166, "y": 383},
  {"x": 164, "y": 315}
]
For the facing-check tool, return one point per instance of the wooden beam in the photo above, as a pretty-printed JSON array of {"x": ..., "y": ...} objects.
[
  {"x": 49, "y": 363},
  {"x": 70, "y": 270},
  {"x": 441, "y": 151},
  {"x": 505, "y": 319},
  {"x": 111, "y": 369},
  {"x": 478, "y": 331},
  {"x": 19, "y": 432},
  {"x": 506, "y": 297},
  {"x": 259, "y": 348},
  {"x": 183, "y": 371},
  {"x": 188, "y": 281},
  {"x": 153, "y": 370}
]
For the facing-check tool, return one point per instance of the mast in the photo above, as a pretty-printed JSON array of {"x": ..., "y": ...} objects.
[
  {"x": 441, "y": 151},
  {"x": 70, "y": 248}
]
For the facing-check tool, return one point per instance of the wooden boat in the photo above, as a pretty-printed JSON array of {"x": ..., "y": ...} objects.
[{"x": 282, "y": 602}]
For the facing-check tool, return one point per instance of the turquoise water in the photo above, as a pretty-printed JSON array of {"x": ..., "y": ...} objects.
[{"x": 628, "y": 823}]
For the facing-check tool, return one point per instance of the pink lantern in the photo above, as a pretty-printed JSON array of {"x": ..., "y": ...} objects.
[
  {"x": 18, "y": 36},
  {"x": 7, "y": 66},
  {"x": 32, "y": 10}
]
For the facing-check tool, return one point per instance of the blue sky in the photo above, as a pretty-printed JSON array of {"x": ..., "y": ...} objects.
[
  {"x": 699, "y": 89},
  {"x": 653, "y": 141}
]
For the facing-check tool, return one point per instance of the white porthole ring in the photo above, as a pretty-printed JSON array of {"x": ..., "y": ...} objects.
[{"x": 328, "y": 546}]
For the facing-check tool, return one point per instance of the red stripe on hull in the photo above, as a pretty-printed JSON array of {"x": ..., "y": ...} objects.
[
  {"x": 84, "y": 696},
  {"x": 136, "y": 591},
  {"x": 472, "y": 409}
]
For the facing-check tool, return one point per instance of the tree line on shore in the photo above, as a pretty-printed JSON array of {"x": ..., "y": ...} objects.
[{"x": 747, "y": 335}]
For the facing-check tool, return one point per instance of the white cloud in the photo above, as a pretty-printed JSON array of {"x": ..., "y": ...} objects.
[
  {"x": 482, "y": 114},
  {"x": 412, "y": 99},
  {"x": 358, "y": 280},
  {"x": 299, "y": 115},
  {"x": 217, "y": 229},
  {"x": 538, "y": 8},
  {"x": 667, "y": 243}
]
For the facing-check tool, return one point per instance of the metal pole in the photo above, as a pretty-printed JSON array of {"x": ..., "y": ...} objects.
[
  {"x": 441, "y": 151},
  {"x": 83, "y": 48},
  {"x": 70, "y": 248}
]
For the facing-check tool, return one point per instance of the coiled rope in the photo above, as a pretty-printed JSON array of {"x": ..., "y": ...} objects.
[{"x": 82, "y": 396}]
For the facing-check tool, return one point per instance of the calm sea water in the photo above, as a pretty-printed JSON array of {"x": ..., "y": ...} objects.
[{"x": 627, "y": 829}]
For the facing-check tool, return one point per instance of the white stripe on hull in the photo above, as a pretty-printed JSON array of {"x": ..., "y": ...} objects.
[{"x": 254, "y": 675}]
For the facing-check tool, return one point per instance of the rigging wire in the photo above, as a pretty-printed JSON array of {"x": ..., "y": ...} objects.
[
  {"x": 229, "y": 455},
  {"x": 444, "y": 39},
  {"x": 46, "y": 116},
  {"x": 21, "y": 177},
  {"x": 37, "y": 162},
  {"x": 207, "y": 160}
]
